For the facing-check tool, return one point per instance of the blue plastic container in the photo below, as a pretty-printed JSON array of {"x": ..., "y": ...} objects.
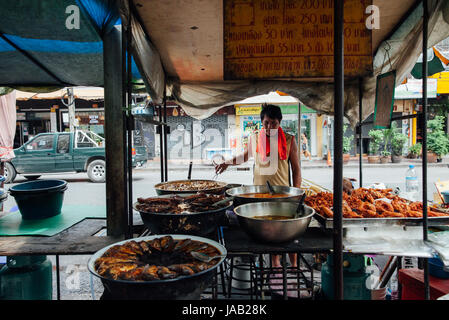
[
  {"x": 445, "y": 195},
  {"x": 436, "y": 268},
  {"x": 39, "y": 199}
]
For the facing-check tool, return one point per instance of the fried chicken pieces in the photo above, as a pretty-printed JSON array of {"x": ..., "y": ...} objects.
[
  {"x": 156, "y": 259},
  {"x": 367, "y": 203}
]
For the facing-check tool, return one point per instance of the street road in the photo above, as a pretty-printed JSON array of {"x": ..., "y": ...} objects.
[{"x": 76, "y": 280}]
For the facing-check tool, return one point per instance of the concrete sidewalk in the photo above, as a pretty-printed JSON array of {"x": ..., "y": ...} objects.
[{"x": 183, "y": 165}]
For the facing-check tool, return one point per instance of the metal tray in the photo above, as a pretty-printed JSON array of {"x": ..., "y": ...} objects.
[{"x": 328, "y": 223}]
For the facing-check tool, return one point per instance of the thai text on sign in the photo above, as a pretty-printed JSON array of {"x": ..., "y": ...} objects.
[{"x": 293, "y": 38}]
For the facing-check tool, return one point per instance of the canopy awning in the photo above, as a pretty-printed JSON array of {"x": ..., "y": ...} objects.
[
  {"x": 270, "y": 98},
  {"x": 178, "y": 45},
  {"x": 436, "y": 62},
  {"x": 185, "y": 39},
  {"x": 86, "y": 93},
  {"x": 45, "y": 45}
]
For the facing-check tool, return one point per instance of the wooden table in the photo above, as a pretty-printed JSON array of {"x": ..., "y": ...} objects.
[{"x": 78, "y": 239}]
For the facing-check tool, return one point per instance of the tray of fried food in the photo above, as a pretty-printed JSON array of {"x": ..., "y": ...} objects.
[
  {"x": 198, "y": 202},
  {"x": 365, "y": 205},
  {"x": 145, "y": 260}
]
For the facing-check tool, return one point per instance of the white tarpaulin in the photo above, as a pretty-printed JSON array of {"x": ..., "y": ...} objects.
[
  {"x": 7, "y": 125},
  {"x": 202, "y": 91}
]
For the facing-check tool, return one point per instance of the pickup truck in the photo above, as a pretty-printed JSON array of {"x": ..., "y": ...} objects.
[{"x": 58, "y": 152}]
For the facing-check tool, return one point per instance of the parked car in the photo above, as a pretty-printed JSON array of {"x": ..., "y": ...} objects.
[{"x": 59, "y": 152}]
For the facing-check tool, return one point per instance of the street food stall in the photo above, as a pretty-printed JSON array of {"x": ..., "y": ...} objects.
[{"x": 203, "y": 56}]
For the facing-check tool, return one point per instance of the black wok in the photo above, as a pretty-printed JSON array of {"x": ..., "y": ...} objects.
[{"x": 196, "y": 223}]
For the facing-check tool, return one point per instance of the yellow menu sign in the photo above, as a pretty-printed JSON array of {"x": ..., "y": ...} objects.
[
  {"x": 245, "y": 110},
  {"x": 293, "y": 38}
]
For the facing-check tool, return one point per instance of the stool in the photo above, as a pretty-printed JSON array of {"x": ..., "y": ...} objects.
[{"x": 412, "y": 281}]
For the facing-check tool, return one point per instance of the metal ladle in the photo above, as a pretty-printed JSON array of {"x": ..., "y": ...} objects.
[
  {"x": 300, "y": 209},
  {"x": 270, "y": 188},
  {"x": 225, "y": 200},
  {"x": 204, "y": 257}
]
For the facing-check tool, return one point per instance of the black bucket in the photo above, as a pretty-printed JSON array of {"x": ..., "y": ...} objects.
[{"x": 39, "y": 199}]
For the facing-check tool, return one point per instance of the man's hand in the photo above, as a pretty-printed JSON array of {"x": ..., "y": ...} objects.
[{"x": 220, "y": 168}]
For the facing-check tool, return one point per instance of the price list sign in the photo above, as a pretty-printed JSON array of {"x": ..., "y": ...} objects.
[{"x": 293, "y": 39}]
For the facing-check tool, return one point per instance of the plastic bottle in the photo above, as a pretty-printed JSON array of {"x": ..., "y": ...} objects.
[
  {"x": 393, "y": 286},
  {"x": 411, "y": 182}
]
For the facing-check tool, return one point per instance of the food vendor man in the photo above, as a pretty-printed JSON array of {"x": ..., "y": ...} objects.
[{"x": 272, "y": 150}]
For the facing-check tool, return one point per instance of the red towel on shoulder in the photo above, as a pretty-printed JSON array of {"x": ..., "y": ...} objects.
[{"x": 263, "y": 144}]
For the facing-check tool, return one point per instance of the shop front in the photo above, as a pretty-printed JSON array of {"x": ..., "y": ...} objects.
[
  {"x": 85, "y": 119},
  {"x": 248, "y": 121},
  {"x": 31, "y": 123}
]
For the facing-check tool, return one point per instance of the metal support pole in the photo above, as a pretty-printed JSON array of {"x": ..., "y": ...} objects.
[
  {"x": 189, "y": 176},
  {"x": 299, "y": 133},
  {"x": 58, "y": 284},
  {"x": 2, "y": 183},
  {"x": 125, "y": 127},
  {"x": 71, "y": 108},
  {"x": 399, "y": 267},
  {"x": 165, "y": 137},
  {"x": 161, "y": 144},
  {"x": 284, "y": 276},
  {"x": 338, "y": 148},
  {"x": 116, "y": 203},
  {"x": 360, "y": 128},
  {"x": 129, "y": 127},
  {"x": 424, "y": 142}
]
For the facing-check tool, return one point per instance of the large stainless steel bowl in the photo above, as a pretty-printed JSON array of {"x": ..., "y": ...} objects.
[
  {"x": 293, "y": 194},
  {"x": 273, "y": 231},
  {"x": 180, "y": 288}
]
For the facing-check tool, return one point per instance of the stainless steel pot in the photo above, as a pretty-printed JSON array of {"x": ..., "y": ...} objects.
[
  {"x": 273, "y": 231},
  {"x": 180, "y": 288},
  {"x": 294, "y": 194}
]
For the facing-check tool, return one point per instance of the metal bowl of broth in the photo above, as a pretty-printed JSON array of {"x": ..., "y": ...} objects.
[
  {"x": 250, "y": 194},
  {"x": 273, "y": 222}
]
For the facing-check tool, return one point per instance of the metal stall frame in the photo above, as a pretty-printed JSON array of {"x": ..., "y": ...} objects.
[
  {"x": 423, "y": 115},
  {"x": 338, "y": 148},
  {"x": 128, "y": 119},
  {"x": 424, "y": 144},
  {"x": 338, "y": 140}
]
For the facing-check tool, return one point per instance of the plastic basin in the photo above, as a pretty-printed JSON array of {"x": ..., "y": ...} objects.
[
  {"x": 436, "y": 269},
  {"x": 39, "y": 199}
]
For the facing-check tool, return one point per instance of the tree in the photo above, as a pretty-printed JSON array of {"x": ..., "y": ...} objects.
[
  {"x": 347, "y": 141},
  {"x": 437, "y": 139},
  {"x": 376, "y": 139}
]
